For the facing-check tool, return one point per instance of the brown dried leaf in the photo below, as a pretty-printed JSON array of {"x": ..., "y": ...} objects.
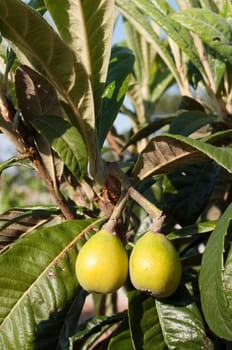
[
  {"x": 17, "y": 222},
  {"x": 165, "y": 154}
]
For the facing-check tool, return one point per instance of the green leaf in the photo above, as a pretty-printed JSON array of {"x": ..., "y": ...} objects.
[
  {"x": 25, "y": 29},
  {"x": 195, "y": 229},
  {"x": 144, "y": 322},
  {"x": 166, "y": 153},
  {"x": 38, "y": 5},
  {"x": 120, "y": 69},
  {"x": 137, "y": 100},
  {"x": 71, "y": 320},
  {"x": 172, "y": 29},
  {"x": 214, "y": 297},
  {"x": 135, "y": 41},
  {"x": 212, "y": 28},
  {"x": 14, "y": 161},
  {"x": 181, "y": 322},
  {"x": 141, "y": 24},
  {"x": 121, "y": 341},
  {"x": 188, "y": 191},
  {"x": 189, "y": 121},
  {"x": 38, "y": 284},
  {"x": 66, "y": 140},
  {"x": 86, "y": 26},
  {"x": 227, "y": 277},
  {"x": 97, "y": 325}
]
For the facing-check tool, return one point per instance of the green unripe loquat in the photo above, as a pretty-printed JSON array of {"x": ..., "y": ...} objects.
[
  {"x": 102, "y": 263},
  {"x": 154, "y": 265}
]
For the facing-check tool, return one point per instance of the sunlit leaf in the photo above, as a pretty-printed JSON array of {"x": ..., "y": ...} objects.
[
  {"x": 140, "y": 23},
  {"x": 38, "y": 284},
  {"x": 86, "y": 26},
  {"x": 182, "y": 323},
  {"x": 180, "y": 36},
  {"x": 212, "y": 28},
  {"x": 25, "y": 29}
]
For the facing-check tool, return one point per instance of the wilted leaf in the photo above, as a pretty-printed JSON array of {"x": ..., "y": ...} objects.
[
  {"x": 36, "y": 96},
  {"x": 17, "y": 222},
  {"x": 149, "y": 129},
  {"x": 166, "y": 153}
]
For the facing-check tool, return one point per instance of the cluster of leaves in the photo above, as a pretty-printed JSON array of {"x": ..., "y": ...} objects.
[{"x": 67, "y": 87}]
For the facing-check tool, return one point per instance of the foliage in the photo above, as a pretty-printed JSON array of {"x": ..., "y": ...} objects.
[{"x": 61, "y": 89}]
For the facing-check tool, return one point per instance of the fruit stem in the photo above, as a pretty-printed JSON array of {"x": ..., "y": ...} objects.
[
  {"x": 111, "y": 223},
  {"x": 150, "y": 208},
  {"x": 129, "y": 191}
]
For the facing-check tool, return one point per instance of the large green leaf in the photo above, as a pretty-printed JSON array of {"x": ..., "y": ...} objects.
[
  {"x": 38, "y": 284},
  {"x": 211, "y": 27},
  {"x": 182, "y": 323},
  {"x": 214, "y": 296},
  {"x": 144, "y": 322},
  {"x": 66, "y": 140},
  {"x": 86, "y": 26},
  {"x": 166, "y": 153},
  {"x": 25, "y": 29},
  {"x": 120, "y": 69}
]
